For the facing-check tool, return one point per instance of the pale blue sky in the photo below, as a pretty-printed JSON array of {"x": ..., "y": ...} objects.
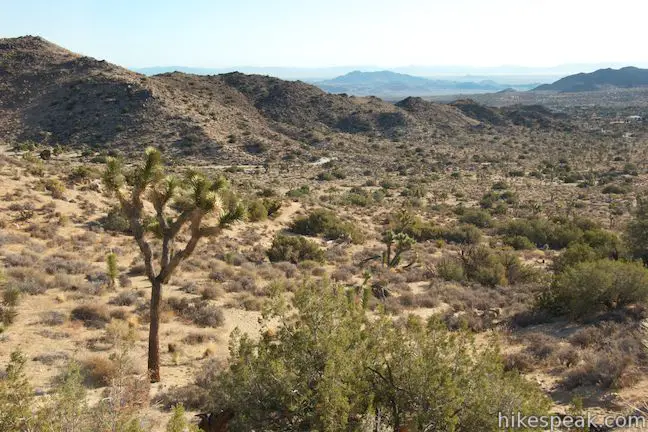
[{"x": 309, "y": 33}]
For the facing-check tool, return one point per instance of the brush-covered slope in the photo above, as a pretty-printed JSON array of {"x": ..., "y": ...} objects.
[{"x": 51, "y": 95}]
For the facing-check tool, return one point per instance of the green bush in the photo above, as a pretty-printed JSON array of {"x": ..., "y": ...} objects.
[
  {"x": 327, "y": 224},
  {"x": 556, "y": 235},
  {"x": 461, "y": 234},
  {"x": 299, "y": 192},
  {"x": 636, "y": 234},
  {"x": 438, "y": 380},
  {"x": 592, "y": 287},
  {"x": 55, "y": 187},
  {"x": 294, "y": 249},
  {"x": 575, "y": 253},
  {"x": 450, "y": 269},
  {"x": 116, "y": 221},
  {"x": 519, "y": 242},
  {"x": 257, "y": 211},
  {"x": 476, "y": 217},
  {"x": 484, "y": 267},
  {"x": 615, "y": 189}
]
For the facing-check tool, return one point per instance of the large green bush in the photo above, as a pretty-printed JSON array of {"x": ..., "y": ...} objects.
[
  {"x": 294, "y": 249},
  {"x": 329, "y": 366},
  {"x": 327, "y": 224},
  {"x": 593, "y": 287}
]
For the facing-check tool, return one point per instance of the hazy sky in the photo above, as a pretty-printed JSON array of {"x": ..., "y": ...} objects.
[{"x": 316, "y": 33}]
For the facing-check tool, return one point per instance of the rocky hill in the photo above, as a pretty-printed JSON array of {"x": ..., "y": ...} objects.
[
  {"x": 627, "y": 77},
  {"x": 50, "y": 95}
]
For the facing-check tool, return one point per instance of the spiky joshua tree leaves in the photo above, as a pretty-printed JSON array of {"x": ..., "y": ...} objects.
[{"x": 178, "y": 204}]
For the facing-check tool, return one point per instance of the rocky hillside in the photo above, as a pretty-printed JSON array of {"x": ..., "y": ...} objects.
[
  {"x": 627, "y": 77},
  {"x": 51, "y": 95}
]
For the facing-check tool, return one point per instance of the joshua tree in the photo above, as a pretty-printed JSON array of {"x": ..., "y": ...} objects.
[
  {"x": 403, "y": 243},
  {"x": 177, "y": 203}
]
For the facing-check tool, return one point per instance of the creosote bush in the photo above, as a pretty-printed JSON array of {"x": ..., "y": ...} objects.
[
  {"x": 589, "y": 288},
  {"x": 403, "y": 374},
  {"x": 327, "y": 224},
  {"x": 294, "y": 249}
]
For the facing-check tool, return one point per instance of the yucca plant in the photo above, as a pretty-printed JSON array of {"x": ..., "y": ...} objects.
[{"x": 178, "y": 203}]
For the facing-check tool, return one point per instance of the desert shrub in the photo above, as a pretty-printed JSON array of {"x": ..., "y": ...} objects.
[
  {"x": 115, "y": 220},
  {"x": 636, "y": 233},
  {"x": 52, "y": 318},
  {"x": 515, "y": 271},
  {"x": 192, "y": 396},
  {"x": 55, "y": 187},
  {"x": 200, "y": 312},
  {"x": 342, "y": 274},
  {"x": 605, "y": 370},
  {"x": 55, "y": 264},
  {"x": 288, "y": 371},
  {"x": 484, "y": 267},
  {"x": 495, "y": 198},
  {"x": 326, "y": 223},
  {"x": 599, "y": 286},
  {"x": 99, "y": 370},
  {"x": 358, "y": 197},
  {"x": 294, "y": 249},
  {"x": 92, "y": 315},
  {"x": 476, "y": 217},
  {"x": 575, "y": 253},
  {"x": 50, "y": 358},
  {"x": 522, "y": 362},
  {"x": 211, "y": 292},
  {"x": 272, "y": 206},
  {"x": 16, "y": 396},
  {"x": 28, "y": 280},
  {"x": 615, "y": 189},
  {"x": 124, "y": 281},
  {"x": 450, "y": 269},
  {"x": 540, "y": 345},
  {"x": 257, "y": 211},
  {"x": 544, "y": 232},
  {"x": 519, "y": 242},
  {"x": 126, "y": 298},
  {"x": 299, "y": 192},
  {"x": 499, "y": 185},
  {"x": 21, "y": 260},
  {"x": 10, "y": 295},
  {"x": 461, "y": 234}
]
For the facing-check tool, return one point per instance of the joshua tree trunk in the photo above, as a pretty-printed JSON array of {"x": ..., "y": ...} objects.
[{"x": 154, "y": 333}]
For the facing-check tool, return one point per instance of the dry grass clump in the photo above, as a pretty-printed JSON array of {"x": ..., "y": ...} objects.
[
  {"x": 195, "y": 338},
  {"x": 99, "y": 370},
  {"x": 65, "y": 263},
  {"x": 126, "y": 298},
  {"x": 211, "y": 292},
  {"x": 92, "y": 315},
  {"x": 52, "y": 318},
  {"x": 51, "y": 357},
  {"x": 522, "y": 362},
  {"x": 29, "y": 280},
  {"x": 200, "y": 312},
  {"x": 604, "y": 370}
]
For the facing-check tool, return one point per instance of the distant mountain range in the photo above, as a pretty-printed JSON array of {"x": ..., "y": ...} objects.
[
  {"x": 627, "y": 77},
  {"x": 388, "y": 84},
  {"x": 507, "y": 73}
]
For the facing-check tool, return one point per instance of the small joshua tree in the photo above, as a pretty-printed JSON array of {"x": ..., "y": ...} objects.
[
  {"x": 111, "y": 269},
  {"x": 177, "y": 203},
  {"x": 402, "y": 243}
]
